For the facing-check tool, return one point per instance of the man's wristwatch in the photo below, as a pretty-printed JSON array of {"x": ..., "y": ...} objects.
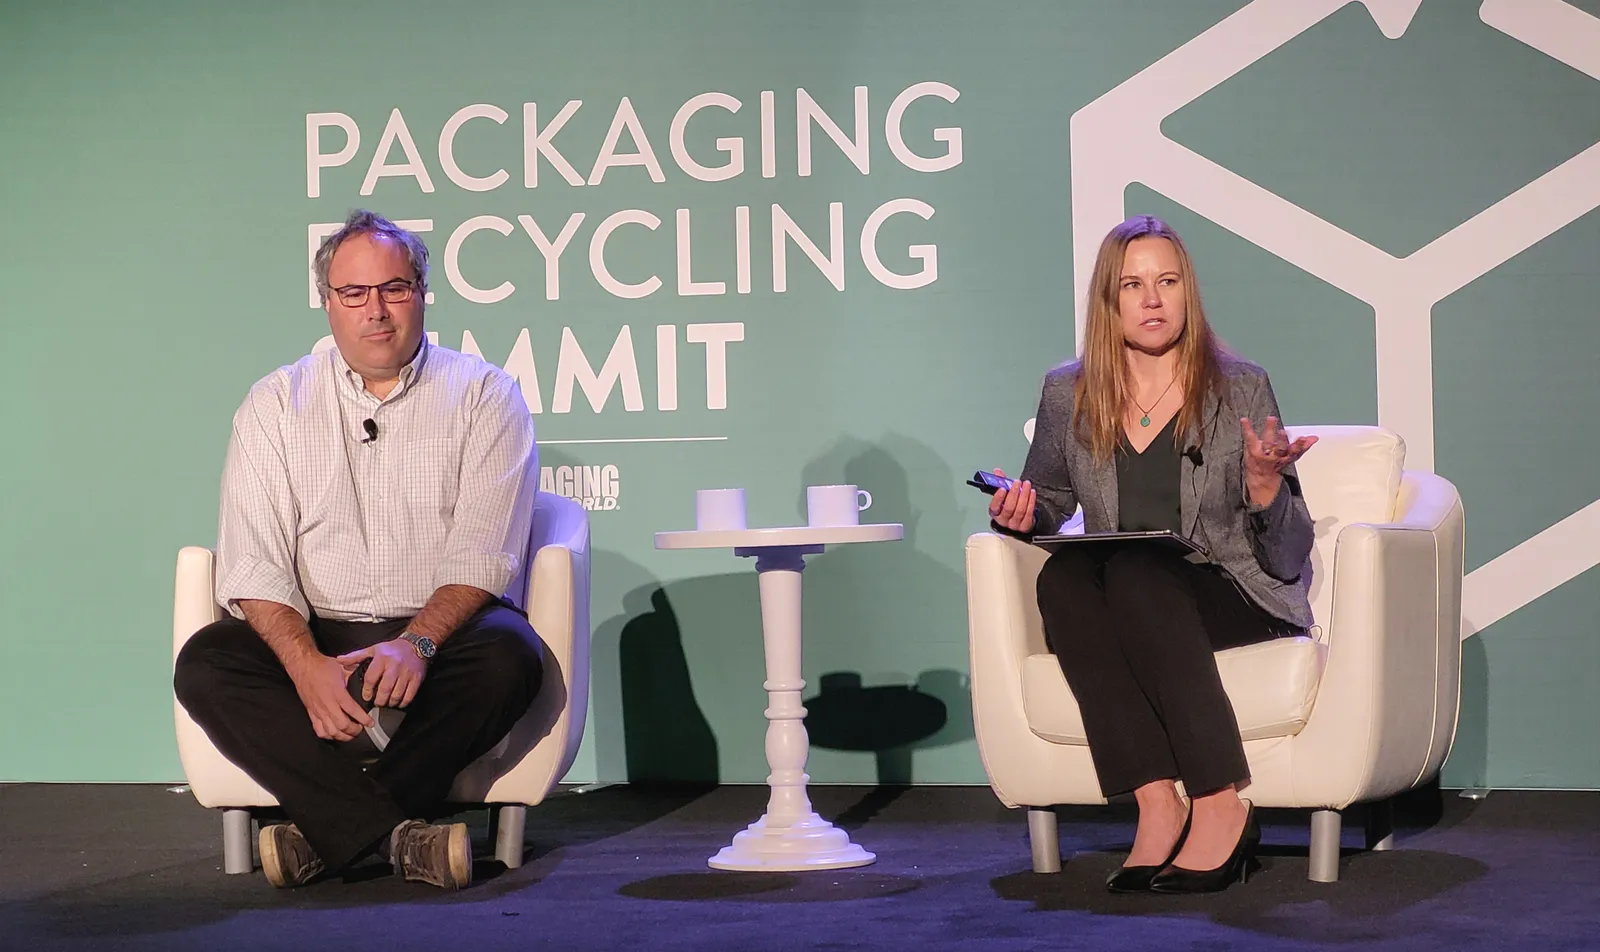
[{"x": 424, "y": 645}]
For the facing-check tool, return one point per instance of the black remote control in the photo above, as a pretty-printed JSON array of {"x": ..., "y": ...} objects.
[
  {"x": 356, "y": 680},
  {"x": 989, "y": 482}
]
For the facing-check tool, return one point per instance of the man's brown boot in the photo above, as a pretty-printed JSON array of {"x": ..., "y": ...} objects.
[
  {"x": 436, "y": 853},
  {"x": 286, "y": 857}
]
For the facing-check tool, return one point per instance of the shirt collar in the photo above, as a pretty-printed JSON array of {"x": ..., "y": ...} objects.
[{"x": 408, "y": 373}]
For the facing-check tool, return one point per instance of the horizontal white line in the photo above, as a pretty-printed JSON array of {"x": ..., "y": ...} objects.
[{"x": 642, "y": 439}]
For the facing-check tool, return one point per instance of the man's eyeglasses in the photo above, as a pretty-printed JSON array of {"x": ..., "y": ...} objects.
[{"x": 391, "y": 292}]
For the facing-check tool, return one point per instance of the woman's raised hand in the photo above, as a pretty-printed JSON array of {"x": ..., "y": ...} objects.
[
  {"x": 1013, "y": 508},
  {"x": 1266, "y": 455}
]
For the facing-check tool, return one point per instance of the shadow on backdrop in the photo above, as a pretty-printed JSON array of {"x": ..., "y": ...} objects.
[
  {"x": 877, "y": 613},
  {"x": 666, "y": 734},
  {"x": 652, "y": 726},
  {"x": 688, "y": 657},
  {"x": 890, "y": 720}
]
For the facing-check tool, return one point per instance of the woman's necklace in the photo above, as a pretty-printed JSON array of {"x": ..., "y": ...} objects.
[{"x": 1145, "y": 420}]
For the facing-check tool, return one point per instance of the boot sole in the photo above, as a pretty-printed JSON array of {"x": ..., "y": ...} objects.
[
  {"x": 271, "y": 862},
  {"x": 460, "y": 856}
]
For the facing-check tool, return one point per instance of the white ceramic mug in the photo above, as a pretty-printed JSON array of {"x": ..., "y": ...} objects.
[
  {"x": 836, "y": 505},
  {"x": 716, "y": 509}
]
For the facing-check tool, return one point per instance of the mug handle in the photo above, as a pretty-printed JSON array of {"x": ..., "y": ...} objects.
[{"x": 859, "y": 503}]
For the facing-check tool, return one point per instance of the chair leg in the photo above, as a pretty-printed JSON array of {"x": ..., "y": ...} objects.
[
  {"x": 237, "y": 850},
  {"x": 1380, "y": 825},
  {"x": 1325, "y": 846},
  {"x": 508, "y": 834},
  {"x": 1044, "y": 839}
]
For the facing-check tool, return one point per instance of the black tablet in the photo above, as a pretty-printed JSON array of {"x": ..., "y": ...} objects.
[{"x": 1162, "y": 537}]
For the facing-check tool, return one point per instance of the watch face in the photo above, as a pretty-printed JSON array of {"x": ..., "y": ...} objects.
[{"x": 424, "y": 645}]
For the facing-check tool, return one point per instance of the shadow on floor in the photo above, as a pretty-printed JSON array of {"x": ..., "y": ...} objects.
[
  {"x": 1277, "y": 901},
  {"x": 624, "y": 867},
  {"x": 183, "y": 888},
  {"x": 810, "y": 886}
]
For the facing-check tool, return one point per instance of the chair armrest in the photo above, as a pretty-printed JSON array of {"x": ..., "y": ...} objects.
[
  {"x": 542, "y": 746},
  {"x": 1427, "y": 501},
  {"x": 561, "y": 579},
  {"x": 558, "y": 600},
  {"x": 194, "y": 603},
  {"x": 213, "y": 779},
  {"x": 1004, "y": 628},
  {"x": 1389, "y": 693}
]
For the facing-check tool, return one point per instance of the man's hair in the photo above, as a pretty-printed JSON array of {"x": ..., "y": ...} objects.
[{"x": 363, "y": 222}]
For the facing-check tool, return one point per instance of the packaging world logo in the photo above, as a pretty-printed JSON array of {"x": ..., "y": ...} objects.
[
  {"x": 596, "y": 488},
  {"x": 1117, "y": 141}
]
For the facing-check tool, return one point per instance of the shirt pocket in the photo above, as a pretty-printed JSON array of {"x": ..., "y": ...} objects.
[{"x": 427, "y": 480}]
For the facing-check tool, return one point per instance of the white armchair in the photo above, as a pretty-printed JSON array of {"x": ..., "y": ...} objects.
[
  {"x": 517, "y": 773},
  {"x": 1362, "y": 709}
]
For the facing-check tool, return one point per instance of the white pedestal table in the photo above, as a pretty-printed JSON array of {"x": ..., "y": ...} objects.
[{"x": 790, "y": 835}]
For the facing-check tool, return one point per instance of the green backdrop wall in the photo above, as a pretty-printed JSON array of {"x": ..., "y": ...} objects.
[{"x": 799, "y": 243}]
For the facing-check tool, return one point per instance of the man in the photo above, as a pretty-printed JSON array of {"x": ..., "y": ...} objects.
[{"x": 376, "y": 503}]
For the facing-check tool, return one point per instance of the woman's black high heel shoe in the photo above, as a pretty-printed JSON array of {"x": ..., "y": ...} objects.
[
  {"x": 1127, "y": 879},
  {"x": 1237, "y": 867}
]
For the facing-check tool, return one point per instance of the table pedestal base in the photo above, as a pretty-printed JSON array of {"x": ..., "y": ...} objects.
[
  {"x": 811, "y": 843},
  {"x": 790, "y": 835}
]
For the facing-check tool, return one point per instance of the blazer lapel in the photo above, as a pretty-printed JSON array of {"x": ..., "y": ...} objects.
[
  {"x": 1105, "y": 477},
  {"x": 1193, "y": 479},
  {"x": 1097, "y": 487}
]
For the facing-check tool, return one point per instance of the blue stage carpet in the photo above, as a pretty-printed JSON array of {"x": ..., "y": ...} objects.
[{"x": 138, "y": 867}]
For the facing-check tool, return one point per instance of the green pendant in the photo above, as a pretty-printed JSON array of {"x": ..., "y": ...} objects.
[{"x": 1144, "y": 420}]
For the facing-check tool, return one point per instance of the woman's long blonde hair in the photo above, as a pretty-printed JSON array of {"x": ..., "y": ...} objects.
[{"x": 1104, "y": 388}]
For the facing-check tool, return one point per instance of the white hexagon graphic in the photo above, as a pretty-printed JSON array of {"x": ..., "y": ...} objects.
[{"x": 1117, "y": 140}]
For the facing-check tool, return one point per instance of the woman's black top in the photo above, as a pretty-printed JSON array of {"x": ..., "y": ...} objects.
[{"x": 1147, "y": 484}]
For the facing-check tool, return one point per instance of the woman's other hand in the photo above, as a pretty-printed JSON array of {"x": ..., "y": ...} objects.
[
  {"x": 1013, "y": 508},
  {"x": 1265, "y": 457}
]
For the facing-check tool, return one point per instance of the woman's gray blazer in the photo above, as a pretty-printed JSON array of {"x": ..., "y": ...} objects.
[{"x": 1266, "y": 550}]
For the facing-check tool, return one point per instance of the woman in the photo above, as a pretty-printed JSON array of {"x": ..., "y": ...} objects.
[{"x": 1154, "y": 428}]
